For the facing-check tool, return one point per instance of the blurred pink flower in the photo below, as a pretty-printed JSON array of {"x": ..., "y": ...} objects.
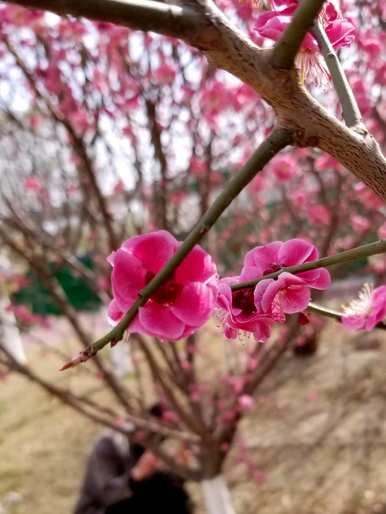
[
  {"x": 382, "y": 231},
  {"x": 181, "y": 305},
  {"x": 359, "y": 223},
  {"x": 33, "y": 184},
  {"x": 284, "y": 167},
  {"x": 246, "y": 403},
  {"x": 367, "y": 310},
  {"x": 319, "y": 214}
]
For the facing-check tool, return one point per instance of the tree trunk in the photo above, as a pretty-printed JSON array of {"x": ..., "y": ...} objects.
[
  {"x": 9, "y": 333},
  {"x": 216, "y": 496}
]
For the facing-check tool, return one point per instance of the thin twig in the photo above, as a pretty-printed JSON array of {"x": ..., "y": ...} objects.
[
  {"x": 331, "y": 313},
  {"x": 350, "y": 110},
  {"x": 347, "y": 256}
]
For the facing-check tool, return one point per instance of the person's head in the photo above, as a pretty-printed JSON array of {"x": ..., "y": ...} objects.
[{"x": 139, "y": 435}]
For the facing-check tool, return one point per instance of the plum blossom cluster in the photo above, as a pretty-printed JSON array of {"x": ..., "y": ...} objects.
[
  {"x": 257, "y": 309},
  {"x": 194, "y": 291},
  {"x": 271, "y": 23},
  {"x": 188, "y": 298}
]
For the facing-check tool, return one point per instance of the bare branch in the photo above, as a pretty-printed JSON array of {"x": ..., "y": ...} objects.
[
  {"x": 332, "y": 313},
  {"x": 351, "y": 113}
]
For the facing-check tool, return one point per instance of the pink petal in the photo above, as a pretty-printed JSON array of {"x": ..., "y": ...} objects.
[
  {"x": 153, "y": 249},
  {"x": 262, "y": 257},
  {"x": 288, "y": 294},
  {"x": 224, "y": 295},
  {"x": 262, "y": 331},
  {"x": 318, "y": 279},
  {"x": 195, "y": 304},
  {"x": 114, "y": 314},
  {"x": 230, "y": 332},
  {"x": 251, "y": 273},
  {"x": 259, "y": 292},
  {"x": 355, "y": 322},
  {"x": 296, "y": 251},
  {"x": 127, "y": 278},
  {"x": 197, "y": 266},
  {"x": 295, "y": 299},
  {"x": 158, "y": 320}
]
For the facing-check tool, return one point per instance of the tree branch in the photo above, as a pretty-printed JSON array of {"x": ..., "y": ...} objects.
[
  {"x": 170, "y": 20},
  {"x": 228, "y": 48},
  {"x": 350, "y": 110},
  {"x": 332, "y": 313},
  {"x": 347, "y": 256},
  {"x": 278, "y": 140},
  {"x": 286, "y": 49}
]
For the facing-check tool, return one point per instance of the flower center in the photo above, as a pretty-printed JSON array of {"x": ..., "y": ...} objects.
[
  {"x": 167, "y": 293},
  {"x": 362, "y": 305},
  {"x": 243, "y": 299},
  {"x": 274, "y": 267}
]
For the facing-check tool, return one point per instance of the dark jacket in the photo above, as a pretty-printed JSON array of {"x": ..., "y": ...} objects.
[
  {"x": 161, "y": 492},
  {"x": 108, "y": 489},
  {"x": 106, "y": 479}
]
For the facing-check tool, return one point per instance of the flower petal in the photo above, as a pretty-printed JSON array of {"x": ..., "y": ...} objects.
[
  {"x": 198, "y": 266},
  {"x": 195, "y": 304},
  {"x": 127, "y": 278},
  {"x": 318, "y": 279},
  {"x": 295, "y": 299},
  {"x": 114, "y": 313},
  {"x": 262, "y": 257},
  {"x": 153, "y": 249},
  {"x": 296, "y": 251},
  {"x": 158, "y": 320}
]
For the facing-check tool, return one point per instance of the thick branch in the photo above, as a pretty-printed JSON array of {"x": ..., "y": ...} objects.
[
  {"x": 230, "y": 49},
  {"x": 286, "y": 49},
  {"x": 171, "y": 20}
]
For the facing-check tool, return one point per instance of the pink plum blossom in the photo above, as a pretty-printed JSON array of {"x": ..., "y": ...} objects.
[
  {"x": 284, "y": 167},
  {"x": 246, "y": 403},
  {"x": 256, "y": 310},
  {"x": 341, "y": 32},
  {"x": 359, "y": 223},
  {"x": 319, "y": 214},
  {"x": 33, "y": 184},
  {"x": 181, "y": 305},
  {"x": 367, "y": 310},
  {"x": 237, "y": 310}
]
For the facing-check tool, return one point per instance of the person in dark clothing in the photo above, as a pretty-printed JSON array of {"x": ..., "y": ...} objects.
[
  {"x": 160, "y": 491},
  {"x": 121, "y": 474},
  {"x": 106, "y": 479}
]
